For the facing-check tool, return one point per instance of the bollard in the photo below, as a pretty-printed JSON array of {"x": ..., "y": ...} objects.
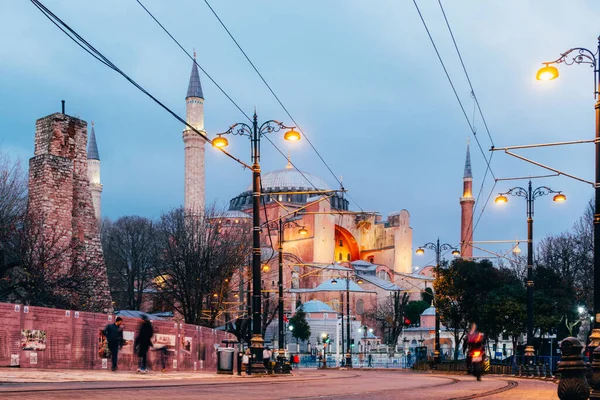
[
  {"x": 572, "y": 385},
  {"x": 595, "y": 380}
]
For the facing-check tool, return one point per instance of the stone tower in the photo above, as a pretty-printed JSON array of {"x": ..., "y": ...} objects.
[
  {"x": 467, "y": 202},
  {"x": 194, "y": 146},
  {"x": 93, "y": 161},
  {"x": 61, "y": 211}
]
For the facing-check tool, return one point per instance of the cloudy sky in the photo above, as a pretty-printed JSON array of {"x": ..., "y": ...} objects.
[{"x": 361, "y": 78}]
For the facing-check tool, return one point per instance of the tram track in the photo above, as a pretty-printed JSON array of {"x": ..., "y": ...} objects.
[{"x": 510, "y": 385}]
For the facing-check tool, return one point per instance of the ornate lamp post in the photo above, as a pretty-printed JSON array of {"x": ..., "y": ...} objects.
[
  {"x": 438, "y": 248},
  {"x": 280, "y": 226},
  {"x": 348, "y": 345},
  {"x": 255, "y": 132},
  {"x": 580, "y": 55},
  {"x": 530, "y": 195}
]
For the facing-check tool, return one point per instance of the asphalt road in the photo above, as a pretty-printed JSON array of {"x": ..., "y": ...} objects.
[{"x": 304, "y": 385}]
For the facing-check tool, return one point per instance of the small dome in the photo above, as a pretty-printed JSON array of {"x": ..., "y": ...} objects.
[
  {"x": 429, "y": 311},
  {"x": 316, "y": 306}
]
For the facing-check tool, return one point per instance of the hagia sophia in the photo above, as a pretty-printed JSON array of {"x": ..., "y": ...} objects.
[{"x": 335, "y": 244}]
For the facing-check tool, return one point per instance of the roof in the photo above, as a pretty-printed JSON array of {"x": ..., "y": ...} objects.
[
  {"x": 363, "y": 265},
  {"x": 194, "y": 88},
  {"x": 468, "y": 173},
  {"x": 138, "y": 314},
  {"x": 288, "y": 178},
  {"x": 329, "y": 286},
  {"x": 416, "y": 276},
  {"x": 332, "y": 267},
  {"x": 316, "y": 306},
  {"x": 429, "y": 311},
  {"x": 92, "y": 150},
  {"x": 235, "y": 214},
  {"x": 385, "y": 285}
]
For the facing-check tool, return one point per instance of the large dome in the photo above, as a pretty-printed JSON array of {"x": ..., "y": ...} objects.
[{"x": 289, "y": 178}]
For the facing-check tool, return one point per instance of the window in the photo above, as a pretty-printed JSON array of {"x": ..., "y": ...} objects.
[
  {"x": 504, "y": 336},
  {"x": 341, "y": 243},
  {"x": 340, "y": 257},
  {"x": 348, "y": 256},
  {"x": 360, "y": 306},
  {"x": 372, "y": 259}
]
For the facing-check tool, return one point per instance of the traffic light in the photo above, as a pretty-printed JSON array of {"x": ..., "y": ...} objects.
[
  {"x": 406, "y": 321},
  {"x": 352, "y": 343},
  {"x": 326, "y": 339}
]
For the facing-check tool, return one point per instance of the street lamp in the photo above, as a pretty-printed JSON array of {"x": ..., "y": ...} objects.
[
  {"x": 348, "y": 347},
  {"x": 438, "y": 248},
  {"x": 582, "y": 55},
  {"x": 280, "y": 226},
  {"x": 530, "y": 195},
  {"x": 255, "y": 132}
]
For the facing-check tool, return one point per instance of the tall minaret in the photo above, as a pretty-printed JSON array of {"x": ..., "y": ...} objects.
[
  {"x": 93, "y": 161},
  {"x": 467, "y": 201},
  {"x": 194, "y": 145}
]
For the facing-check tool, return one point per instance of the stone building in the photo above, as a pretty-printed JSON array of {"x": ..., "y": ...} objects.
[{"x": 61, "y": 207}]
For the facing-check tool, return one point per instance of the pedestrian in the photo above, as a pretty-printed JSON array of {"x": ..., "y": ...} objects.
[
  {"x": 295, "y": 361},
  {"x": 370, "y": 358},
  {"x": 143, "y": 342},
  {"x": 114, "y": 338},
  {"x": 246, "y": 361},
  {"x": 164, "y": 354},
  {"x": 266, "y": 358}
]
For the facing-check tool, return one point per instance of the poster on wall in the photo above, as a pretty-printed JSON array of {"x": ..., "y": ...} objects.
[
  {"x": 104, "y": 352},
  {"x": 186, "y": 344},
  {"x": 161, "y": 340},
  {"x": 33, "y": 340},
  {"x": 14, "y": 360}
]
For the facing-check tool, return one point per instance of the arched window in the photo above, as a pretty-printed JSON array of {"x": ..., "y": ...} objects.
[
  {"x": 348, "y": 256},
  {"x": 341, "y": 243},
  {"x": 360, "y": 306},
  {"x": 340, "y": 256},
  {"x": 372, "y": 259}
]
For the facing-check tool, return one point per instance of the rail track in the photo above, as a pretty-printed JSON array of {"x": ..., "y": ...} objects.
[{"x": 510, "y": 385}]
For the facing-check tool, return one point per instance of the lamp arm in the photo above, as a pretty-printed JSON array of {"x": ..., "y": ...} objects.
[
  {"x": 447, "y": 246},
  {"x": 272, "y": 126},
  {"x": 240, "y": 129},
  {"x": 542, "y": 191},
  {"x": 516, "y": 191},
  {"x": 430, "y": 246},
  {"x": 583, "y": 56}
]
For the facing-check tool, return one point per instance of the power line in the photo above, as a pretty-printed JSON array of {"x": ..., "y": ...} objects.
[
  {"x": 466, "y": 73},
  {"x": 81, "y": 42},
  {"x": 454, "y": 89},
  {"x": 276, "y": 97}
]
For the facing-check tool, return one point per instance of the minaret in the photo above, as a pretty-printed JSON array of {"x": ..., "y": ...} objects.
[
  {"x": 467, "y": 201},
  {"x": 93, "y": 162},
  {"x": 194, "y": 145}
]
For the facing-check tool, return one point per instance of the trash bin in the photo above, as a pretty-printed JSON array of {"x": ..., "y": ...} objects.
[{"x": 225, "y": 356}]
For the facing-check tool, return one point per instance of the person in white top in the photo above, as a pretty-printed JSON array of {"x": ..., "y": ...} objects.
[{"x": 266, "y": 357}]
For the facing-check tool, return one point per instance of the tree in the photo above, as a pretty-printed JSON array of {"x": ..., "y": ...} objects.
[
  {"x": 389, "y": 316},
  {"x": 427, "y": 295},
  {"x": 130, "y": 254},
  {"x": 13, "y": 202},
  {"x": 414, "y": 309},
  {"x": 301, "y": 328},
  {"x": 197, "y": 256}
]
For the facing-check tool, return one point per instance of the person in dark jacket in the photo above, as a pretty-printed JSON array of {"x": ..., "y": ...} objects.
[
  {"x": 143, "y": 342},
  {"x": 114, "y": 338}
]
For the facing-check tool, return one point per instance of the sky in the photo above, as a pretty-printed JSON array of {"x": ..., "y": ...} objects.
[{"x": 361, "y": 78}]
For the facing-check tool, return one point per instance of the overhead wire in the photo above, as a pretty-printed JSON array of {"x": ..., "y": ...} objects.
[
  {"x": 81, "y": 42},
  {"x": 277, "y": 98}
]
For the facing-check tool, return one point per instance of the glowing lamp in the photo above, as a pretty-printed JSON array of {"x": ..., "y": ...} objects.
[
  {"x": 455, "y": 253},
  {"x": 292, "y": 135},
  {"x": 220, "y": 142},
  {"x": 303, "y": 231},
  {"x": 360, "y": 281},
  {"x": 420, "y": 251},
  {"x": 559, "y": 198},
  {"x": 547, "y": 73},
  {"x": 333, "y": 281},
  {"x": 501, "y": 199},
  {"x": 215, "y": 295},
  {"x": 266, "y": 268},
  {"x": 516, "y": 249}
]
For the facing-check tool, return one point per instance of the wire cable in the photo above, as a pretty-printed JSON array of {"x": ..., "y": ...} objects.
[
  {"x": 276, "y": 97},
  {"x": 81, "y": 42},
  {"x": 454, "y": 89}
]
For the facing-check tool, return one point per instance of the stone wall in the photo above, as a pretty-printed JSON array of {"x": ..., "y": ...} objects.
[{"x": 60, "y": 201}]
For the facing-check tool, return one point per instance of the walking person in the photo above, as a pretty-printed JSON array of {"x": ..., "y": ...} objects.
[
  {"x": 246, "y": 361},
  {"x": 114, "y": 338},
  {"x": 143, "y": 342},
  {"x": 266, "y": 357}
]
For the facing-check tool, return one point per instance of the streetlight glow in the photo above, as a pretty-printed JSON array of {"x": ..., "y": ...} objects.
[
  {"x": 220, "y": 142},
  {"x": 547, "y": 73},
  {"x": 420, "y": 251},
  {"x": 292, "y": 135},
  {"x": 456, "y": 253},
  {"x": 303, "y": 231},
  {"x": 559, "y": 198},
  {"x": 501, "y": 199}
]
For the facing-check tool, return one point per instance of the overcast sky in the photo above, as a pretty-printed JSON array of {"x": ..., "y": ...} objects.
[{"x": 360, "y": 77}]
